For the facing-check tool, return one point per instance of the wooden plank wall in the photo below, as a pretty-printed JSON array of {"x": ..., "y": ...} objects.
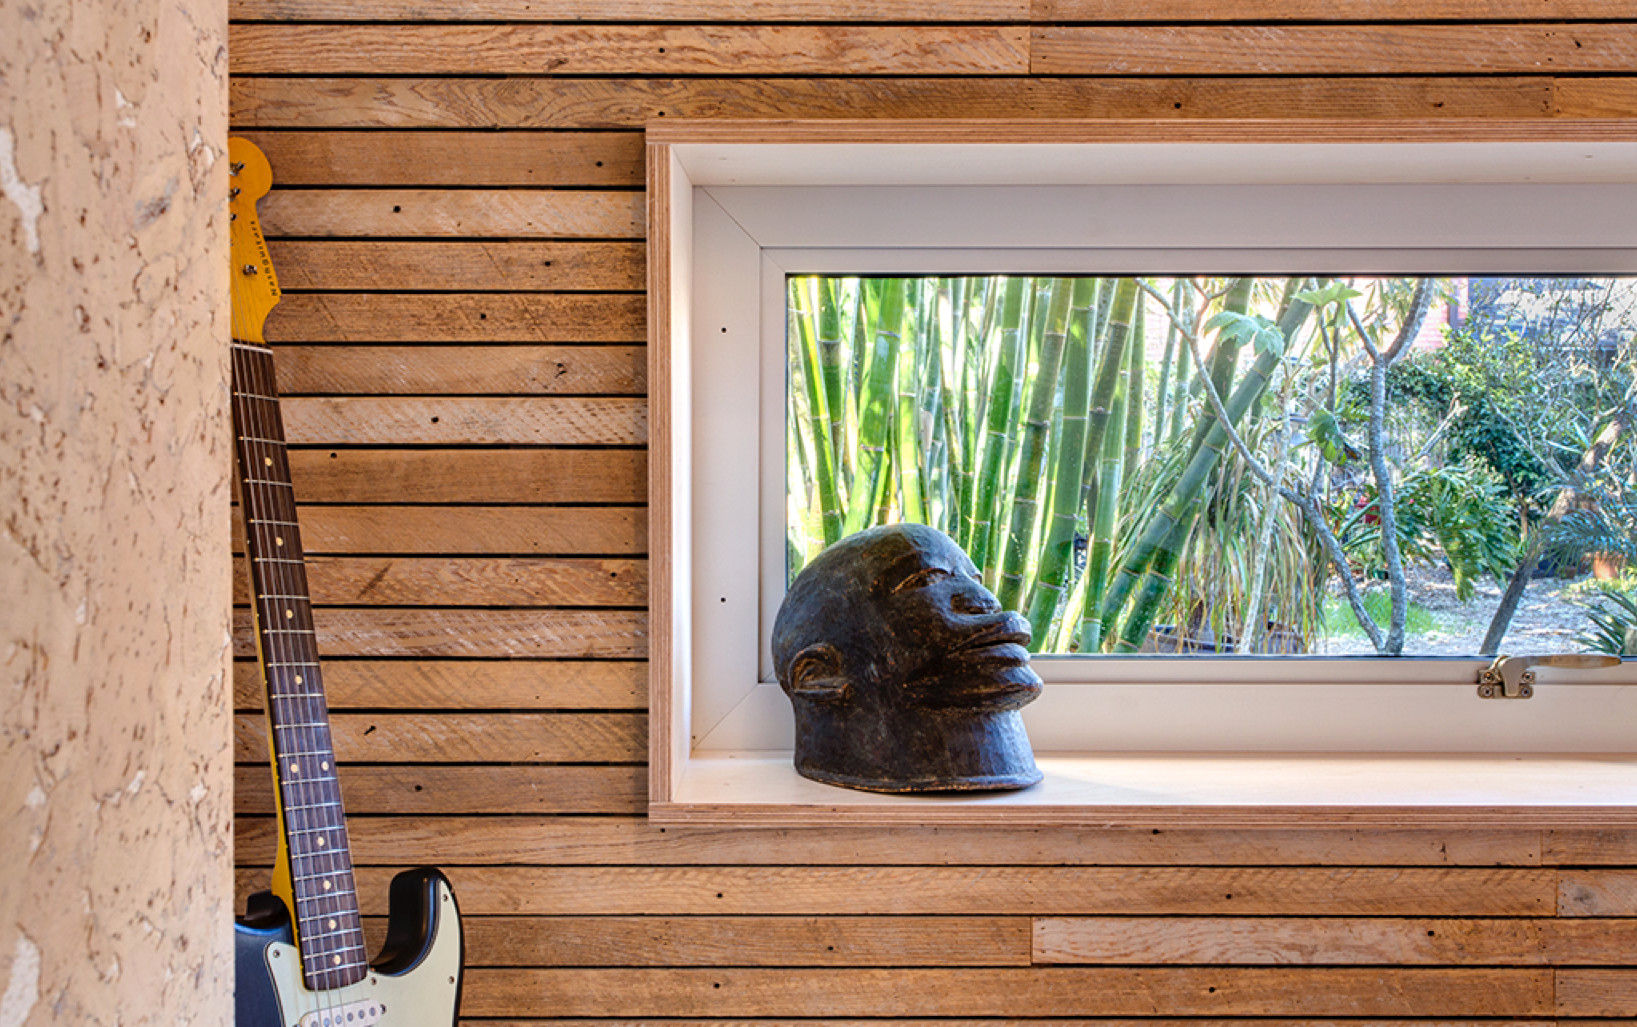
[{"x": 458, "y": 220}]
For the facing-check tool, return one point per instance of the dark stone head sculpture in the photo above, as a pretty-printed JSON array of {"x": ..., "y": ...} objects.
[{"x": 904, "y": 672}]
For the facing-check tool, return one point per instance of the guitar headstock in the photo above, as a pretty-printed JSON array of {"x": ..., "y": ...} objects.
[{"x": 255, "y": 288}]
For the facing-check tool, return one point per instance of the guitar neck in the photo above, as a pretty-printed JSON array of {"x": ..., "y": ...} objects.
[{"x": 308, "y": 795}]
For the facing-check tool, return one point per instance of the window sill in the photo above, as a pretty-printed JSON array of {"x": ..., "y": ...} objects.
[{"x": 1183, "y": 790}]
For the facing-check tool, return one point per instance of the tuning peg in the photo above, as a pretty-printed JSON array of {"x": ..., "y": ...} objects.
[{"x": 235, "y": 167}]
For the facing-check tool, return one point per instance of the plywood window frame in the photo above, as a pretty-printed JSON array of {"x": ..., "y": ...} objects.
[{"x": 714, "y": 199}]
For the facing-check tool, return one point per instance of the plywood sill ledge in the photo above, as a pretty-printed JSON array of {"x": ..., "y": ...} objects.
[{"x": 1193, "y": 790}]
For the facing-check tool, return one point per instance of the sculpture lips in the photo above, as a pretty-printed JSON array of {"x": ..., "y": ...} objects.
[{"x": 1008, "y": 638}]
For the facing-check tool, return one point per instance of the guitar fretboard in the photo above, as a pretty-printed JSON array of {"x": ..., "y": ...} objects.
[{"x": 330, "y": 937}]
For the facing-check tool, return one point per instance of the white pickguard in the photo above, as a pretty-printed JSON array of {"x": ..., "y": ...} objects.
[{"x": 422, "y": 996}]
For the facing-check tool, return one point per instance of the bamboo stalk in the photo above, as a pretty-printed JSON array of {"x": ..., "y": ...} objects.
[
  {"x": 998, "y": 417},
  {"x": 906, "y": 460},
  {"x": 1032, "y": 450},
  {"x": 1135, "y": 364},
  {"x": 875, "y": 411},
  {"x": 804, "y": 313},
  {"x": 1057, "y": 555},
  {"x": 1100, "y": 429}
]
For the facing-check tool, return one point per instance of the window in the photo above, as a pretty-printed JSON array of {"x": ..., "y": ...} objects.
[{"x": 738, "y": 214}]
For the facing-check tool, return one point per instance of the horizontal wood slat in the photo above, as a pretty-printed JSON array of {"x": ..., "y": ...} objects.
[
  {"x": 598, "y": 840},
  {"x": 1321, "y": 10},
  {"x": 467, "y": 421},
  {"x": 746, "y": 941},
  {"x": 1590, "y": 846},
  {"x": 450, "y": 158},
  {"x": 432, "y": 790},
  {"x": 468, "y": 581},
  {"x": 1594, "y": 97},
  {"x": 349, "y": 264},
  {"x": 1598, "y": 893},
  {"x": 458, "y": 317},
  {"x": 466, "y": 684},
  {"x": 633, "y": 10},
  {"x": 467, "y": 737},
  {"x": 506, "y": 213},
  {"x": 910, "y": 11},
  {"x": 627, "y": 50},
  {"x": 1050, "y": 991},
  {"x": 486, "y": 634},
  {"x": 1059, "y": 891},
  {"x": 1332, "y": 49},
  {"x": 1320, "y": 941},
  {"x": 468, "y": 476},
  {"x": 1597, "y": 993},
  {"x": 1014, "y": 1021},
  {"x": 460, "y": 370},
  {"x": 628, "y": 103},
  {"x": 457, "y": 530}
]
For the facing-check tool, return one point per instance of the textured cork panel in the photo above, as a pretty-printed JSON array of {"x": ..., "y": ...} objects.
[{"x": 115, "y": 765}]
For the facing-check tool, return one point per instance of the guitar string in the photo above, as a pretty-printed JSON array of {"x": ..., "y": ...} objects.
[{"x": 259, "y": 419}]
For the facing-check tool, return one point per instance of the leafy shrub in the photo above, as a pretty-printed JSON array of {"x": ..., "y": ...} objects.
[{"x": 1613, "y": 616}]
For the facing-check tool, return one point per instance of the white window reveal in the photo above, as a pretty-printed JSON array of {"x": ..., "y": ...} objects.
[{"x": 1227, "y": 672}]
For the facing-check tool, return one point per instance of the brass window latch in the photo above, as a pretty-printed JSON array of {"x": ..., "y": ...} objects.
[{"x": 1513, "y": 677}]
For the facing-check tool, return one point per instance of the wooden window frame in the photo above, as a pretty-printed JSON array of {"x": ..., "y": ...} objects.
[{"x": 1171, "y": 788}]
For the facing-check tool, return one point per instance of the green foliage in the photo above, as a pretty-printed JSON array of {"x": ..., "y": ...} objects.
[
  {"x": 1481, "y": 381},
  {"x": 1241, "y": 329},
  {"x": 1324, "y": 431},
  {"x": 1460, "y": 514},
  {"x": 1613, "y": 616}
]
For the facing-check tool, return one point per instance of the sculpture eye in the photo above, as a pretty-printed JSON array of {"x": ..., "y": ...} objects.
[{"x": 922, "y": 578}]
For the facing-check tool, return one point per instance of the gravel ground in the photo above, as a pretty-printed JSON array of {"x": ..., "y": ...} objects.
[{"x": 1546, "y": 620}]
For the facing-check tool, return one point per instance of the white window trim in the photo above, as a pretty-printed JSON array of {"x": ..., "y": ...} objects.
[{"x": 721, "y": 199}]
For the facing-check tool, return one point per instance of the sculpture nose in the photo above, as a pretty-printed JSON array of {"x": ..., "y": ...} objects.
[{"x": 974, "y": 599}]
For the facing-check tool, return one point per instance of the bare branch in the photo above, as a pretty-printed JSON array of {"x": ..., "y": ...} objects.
[{"x": 1303, "y": 502}]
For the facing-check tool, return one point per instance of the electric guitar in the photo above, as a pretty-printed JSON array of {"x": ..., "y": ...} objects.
[{"x": 299, "y": 951}]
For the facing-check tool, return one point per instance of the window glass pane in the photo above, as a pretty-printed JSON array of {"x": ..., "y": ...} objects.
[{"x": 1206, "y": 465}]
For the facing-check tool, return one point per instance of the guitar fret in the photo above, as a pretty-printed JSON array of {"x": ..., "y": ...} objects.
[
  {"x": 268, "y": 520},
  {"x": 255, "y": 395},
  {"x": 303, "y": 724},
  {"x": 258, "y": 438},
  {"x": 315, "y": 830},
  {"x": 292, "y": 663},
  {"x": 326, "y": 916},
  {"x": 276, "y": 559},
  {"x": 236, "y": 344},
  {"x": 298, "y": 695},
  {"x": 279, "y": 595}
]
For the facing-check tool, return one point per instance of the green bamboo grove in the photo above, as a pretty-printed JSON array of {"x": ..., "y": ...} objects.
[{"x": 1020, "y": 414}]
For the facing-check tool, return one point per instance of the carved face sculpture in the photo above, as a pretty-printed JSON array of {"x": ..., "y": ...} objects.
[{"x": 903, "y": 671}]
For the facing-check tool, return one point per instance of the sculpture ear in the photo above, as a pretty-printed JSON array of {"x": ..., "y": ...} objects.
[{"x": 815, "y": 674}]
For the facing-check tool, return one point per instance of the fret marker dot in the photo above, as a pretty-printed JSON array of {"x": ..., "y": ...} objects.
[
  {"x": 321, "y": 841},
  {"x": 267, "y": 460},
  {"x": 288, "y": 614},
  {"x": 326, "y": 886},
  {"x": 278, "y": 540},
  {"x": 338, "y": 960},
  {"x": 324, "y": 766},
  {"x": 332, "y": 925},
  {"x": 298, "y": 679},
  {"x": 295, "y": 768}
]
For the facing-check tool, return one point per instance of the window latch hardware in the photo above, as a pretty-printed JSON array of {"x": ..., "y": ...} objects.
[{"x": 1513, "y": 677}]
